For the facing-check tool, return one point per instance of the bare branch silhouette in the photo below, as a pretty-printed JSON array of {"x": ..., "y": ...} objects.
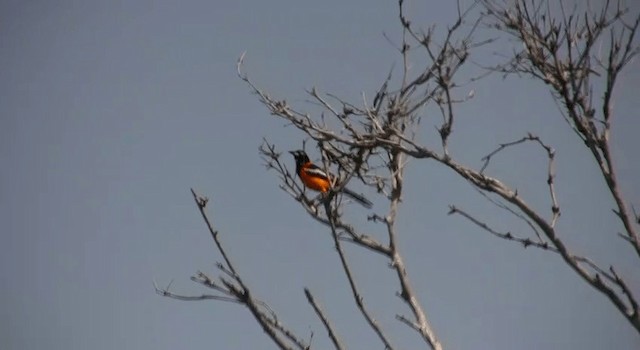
[
  {"x": 325, "y": 321},
  {"x": 370, "y": 142}
]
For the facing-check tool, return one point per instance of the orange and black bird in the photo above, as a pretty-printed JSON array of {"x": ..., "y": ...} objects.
[{"x": 316, "y": 179}]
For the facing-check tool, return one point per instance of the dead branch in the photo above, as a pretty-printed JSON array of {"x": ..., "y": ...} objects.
[
  {"x": 325, "y": 321},
  {"x": 234, "y": 289},
  {"x": 555, "y": 208},
  {"x": 560, "y": 53}
]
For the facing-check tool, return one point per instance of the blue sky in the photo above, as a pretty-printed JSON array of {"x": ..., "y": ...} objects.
[{"x": 111, "y": 111}]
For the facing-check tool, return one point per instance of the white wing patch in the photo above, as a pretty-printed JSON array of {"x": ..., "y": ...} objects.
[{"x": 314, "y": 171}]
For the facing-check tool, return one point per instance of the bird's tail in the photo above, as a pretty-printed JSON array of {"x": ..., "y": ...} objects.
[{"x": 358, "y": 198}]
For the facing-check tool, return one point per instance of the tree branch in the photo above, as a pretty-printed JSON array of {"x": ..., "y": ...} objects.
[{"x": 325, "y": 321}]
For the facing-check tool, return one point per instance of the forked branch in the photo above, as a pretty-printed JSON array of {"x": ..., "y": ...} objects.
[{"x": 233, "y": 289}]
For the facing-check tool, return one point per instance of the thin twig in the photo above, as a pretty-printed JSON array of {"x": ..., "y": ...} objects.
[
  {"x": 359, "y": 300},
  {"x": 325, "y": 321}
]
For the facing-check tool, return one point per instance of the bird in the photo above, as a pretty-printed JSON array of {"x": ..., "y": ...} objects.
[{"x": 315, "y": 178}]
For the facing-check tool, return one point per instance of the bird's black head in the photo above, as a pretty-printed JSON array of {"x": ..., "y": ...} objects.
[
  {"x": 300, "y": 156},
  {"x": 301, "y": 159}
]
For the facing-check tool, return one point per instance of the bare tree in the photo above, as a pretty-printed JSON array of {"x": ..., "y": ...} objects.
[{"x": 371, "y": 140}]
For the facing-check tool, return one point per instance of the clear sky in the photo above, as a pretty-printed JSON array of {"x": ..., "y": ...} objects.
[{"x": 111, "y": 110}]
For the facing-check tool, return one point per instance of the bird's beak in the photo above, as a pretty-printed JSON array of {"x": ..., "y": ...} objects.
[{"x": 293, "y": 152}]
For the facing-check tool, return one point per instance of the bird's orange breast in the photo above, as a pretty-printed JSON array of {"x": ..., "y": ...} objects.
[{"x": 316, "y": 183}]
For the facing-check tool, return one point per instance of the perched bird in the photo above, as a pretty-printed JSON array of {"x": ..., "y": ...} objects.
[{"x": 316, "y": 179}]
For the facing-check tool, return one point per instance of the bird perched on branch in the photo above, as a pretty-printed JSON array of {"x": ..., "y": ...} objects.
[{"x": 315, "y": 178}]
